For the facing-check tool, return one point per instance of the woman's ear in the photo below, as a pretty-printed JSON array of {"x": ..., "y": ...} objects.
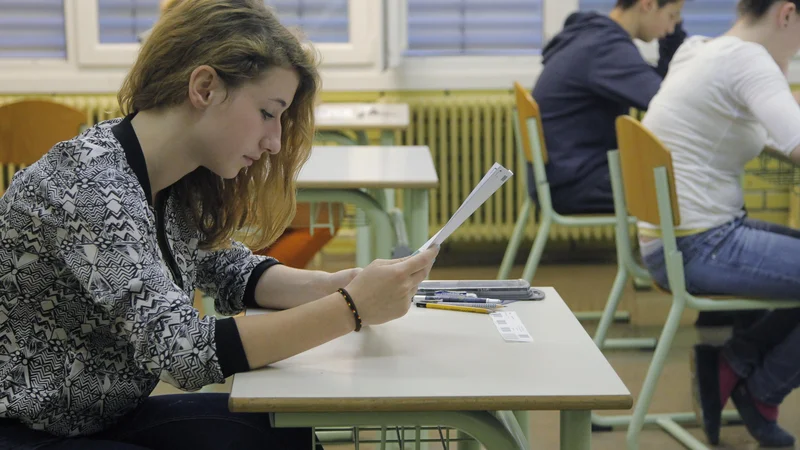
[{"x": 205, "y": 87}]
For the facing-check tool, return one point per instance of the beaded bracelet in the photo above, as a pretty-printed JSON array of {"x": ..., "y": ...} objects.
[{"x": 352, "y": 305}]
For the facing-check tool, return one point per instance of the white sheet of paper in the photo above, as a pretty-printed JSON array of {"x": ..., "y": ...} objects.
[
  {"x": 510, "y": 326},
  {"x": 491, "y": 182}
]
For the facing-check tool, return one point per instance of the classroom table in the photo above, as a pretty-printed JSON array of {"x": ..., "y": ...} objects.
[
  {"x": 343, "y": 173},
  {"x": 333, "y": 118},
  {"x": 446, "y": 368}
]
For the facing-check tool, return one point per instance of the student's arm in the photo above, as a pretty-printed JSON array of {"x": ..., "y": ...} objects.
[
  {"x": 667, "y": 48},
  {"x": 795, "y": 156},
  {"x": 618, "y": 72},
  {"x": 790, "y": 158},
  {"x": 283, "y": 287},
  {"x": 757, "y": 82},
  {"x": 381, "y": 292},
  {"x": 237, "y": 279}
]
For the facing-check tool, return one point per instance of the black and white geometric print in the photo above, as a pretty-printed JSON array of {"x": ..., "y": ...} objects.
[{"x": 90, "y": 315}]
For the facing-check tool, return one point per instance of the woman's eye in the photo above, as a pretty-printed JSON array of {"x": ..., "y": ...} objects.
[{"x": 266, "y": 115}]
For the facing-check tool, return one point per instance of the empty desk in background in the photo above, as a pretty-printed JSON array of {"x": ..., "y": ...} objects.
[
  {"x": 333, "y": 118},
  {"x": 342, "y": 173},
  {"x": 445, "y": 368}
]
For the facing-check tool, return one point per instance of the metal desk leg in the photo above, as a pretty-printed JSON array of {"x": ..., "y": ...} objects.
[
  {"x": 376, "y": 215},
  {"x": 387, "y": 140},
  {"x": 576, "y": 430},
  {"x": 524, "y": 425},
  {"x": 364, "y": 254},
  {"x": 361, "y": 137},
  {"x": 415, "y": 212}
]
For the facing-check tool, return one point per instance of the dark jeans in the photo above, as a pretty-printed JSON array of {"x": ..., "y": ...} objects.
[
  {"x": 752, "y": 259},
  {"x": 170, "y": 422}
]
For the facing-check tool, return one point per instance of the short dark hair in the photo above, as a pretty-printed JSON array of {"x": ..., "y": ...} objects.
[
  {"x": 627, "y": 4},
  {"x": 757, "y": 8}
]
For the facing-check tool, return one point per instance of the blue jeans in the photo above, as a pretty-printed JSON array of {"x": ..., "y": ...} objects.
[
  {"x": 751, "y": 259},
  {"x": 170, "y": 422}
]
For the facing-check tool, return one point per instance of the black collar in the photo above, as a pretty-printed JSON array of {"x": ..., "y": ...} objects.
[{"x": 126, "y": 136}]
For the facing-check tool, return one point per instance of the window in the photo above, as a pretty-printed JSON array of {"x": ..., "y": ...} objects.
[
  {"x": 32, "y": 29},
  {"x": 474, "y": 27},
  {"x": 703, "y": 17},
  {"x": 320, "y": 20},
  {"x": 346, "y": 32},
  {"x": 122, "y": 21}
]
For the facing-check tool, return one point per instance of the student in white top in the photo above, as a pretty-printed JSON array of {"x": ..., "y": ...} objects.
[{"x": 723, "y": 102}]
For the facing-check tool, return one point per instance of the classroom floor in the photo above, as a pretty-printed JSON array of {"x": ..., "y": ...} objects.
[{"x": 647, "y": 309}]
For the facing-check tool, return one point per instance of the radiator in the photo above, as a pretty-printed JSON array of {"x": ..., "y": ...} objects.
[{"x": 466, "y": 135}]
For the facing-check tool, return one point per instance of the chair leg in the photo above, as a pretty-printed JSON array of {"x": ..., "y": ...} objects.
[
  {"x": 653, "y": 374},
  {"x": 542, "y": 234},
  {"x": 513, "y": 244},
  {"x": 610, "y": 312}
]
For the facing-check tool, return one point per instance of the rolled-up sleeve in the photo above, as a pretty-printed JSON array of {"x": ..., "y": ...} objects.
[{"x": 230, "y": 276}]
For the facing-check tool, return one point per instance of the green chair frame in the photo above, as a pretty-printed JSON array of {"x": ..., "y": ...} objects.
[{"x": 644, "y": 187}]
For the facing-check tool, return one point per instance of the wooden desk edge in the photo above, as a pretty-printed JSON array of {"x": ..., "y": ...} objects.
[{"x": 336, "y": 405}]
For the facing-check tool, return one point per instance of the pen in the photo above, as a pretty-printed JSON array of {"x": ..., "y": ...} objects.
[
  {"x": 489, "y": 306},
  {"x": 456, "y": 293},
  {"x": 473, "y": 305},
  {"x": 453, "y": 308},
  {"x": 454, "y": 299}
]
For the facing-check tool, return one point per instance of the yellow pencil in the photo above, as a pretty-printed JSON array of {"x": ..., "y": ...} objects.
[{"x": 454, "y": 308}]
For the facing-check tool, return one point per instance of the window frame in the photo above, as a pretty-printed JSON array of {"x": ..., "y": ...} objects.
[
  {"x": 376, "y": 66},
  {"x": 20, "y": 64},
  {"x": 363, "y": 17}
]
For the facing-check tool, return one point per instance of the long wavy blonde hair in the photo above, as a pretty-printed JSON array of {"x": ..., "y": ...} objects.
[{"x": 241, "y": 40}]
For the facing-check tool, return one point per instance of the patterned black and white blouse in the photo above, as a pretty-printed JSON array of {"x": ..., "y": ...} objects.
[{"x": 96, "y": 289}]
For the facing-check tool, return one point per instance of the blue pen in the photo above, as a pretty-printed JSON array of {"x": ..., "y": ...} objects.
[
  {"x": 454, "y": 299},
  {"x": 457, "y": 294}
]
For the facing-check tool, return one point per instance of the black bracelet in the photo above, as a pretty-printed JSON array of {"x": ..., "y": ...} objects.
[{"x": 352, "y": 305}]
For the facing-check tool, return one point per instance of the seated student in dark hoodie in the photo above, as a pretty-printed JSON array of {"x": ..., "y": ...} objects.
[{"x": 593, "y": 73}]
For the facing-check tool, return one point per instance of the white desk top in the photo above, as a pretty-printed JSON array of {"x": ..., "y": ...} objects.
[
  {"x": 361, "y": 166},
  {"x": 433, "y": 360},
  {"x": 337, "y": 116}
]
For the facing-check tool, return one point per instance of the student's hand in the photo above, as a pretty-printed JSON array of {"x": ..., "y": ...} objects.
[
  {"x": 796, "y": 96},
  {"x": 384, "y": 289}
]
